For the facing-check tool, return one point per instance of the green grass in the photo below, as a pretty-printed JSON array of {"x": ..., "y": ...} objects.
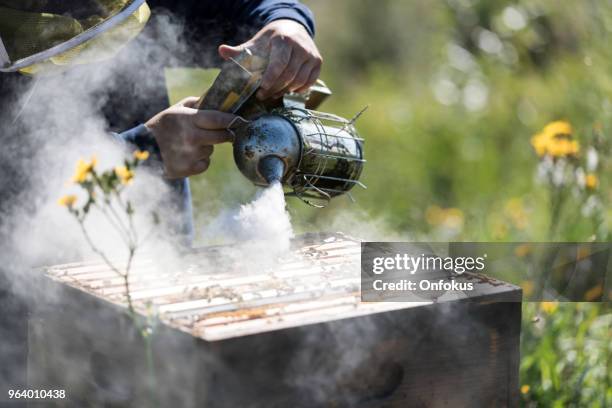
[{"x": 566, "y": 355}]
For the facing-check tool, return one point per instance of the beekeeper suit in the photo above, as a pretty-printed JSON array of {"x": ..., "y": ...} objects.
[{"x": 42, "y": 38}]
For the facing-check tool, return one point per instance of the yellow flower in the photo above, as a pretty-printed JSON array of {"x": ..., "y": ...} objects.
[
  {"x": 527, "y": 287},
  {"x": 141, "y": 155},
  {"x": 515, "y": 210},
  {"x": 83, "y": 169},
  {"x": 446, "y": 217},
  {"x": 555, "y": 140},
  {"x": 561, "y": 147},
  {"x": 124, "y": 174},
  {"x": 522, "y": 250},
  {"x": 540, "y": 143},
  {"x": 525, "y": 389},
  {"x": 594, "y": 293},
  {"x": 453, "y": 218},
  {"x": 433, "y": 215},
  {"x": 583, "y": 253},
  {"x": 67, "y": 200},
  {"x": 559, "y": 127},
  {"x": 591, "y": 181},
  {"x": 549, "y": 307},
  {"x": 574, "y": 148}
]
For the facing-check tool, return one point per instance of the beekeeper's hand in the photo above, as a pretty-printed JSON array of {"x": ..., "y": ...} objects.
[
  {"x": 295, "y": 62},
  {"x": 186, "y": 137}
]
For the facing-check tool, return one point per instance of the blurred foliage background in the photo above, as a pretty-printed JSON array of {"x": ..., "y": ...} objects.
[{"x": 456, "y": 90}]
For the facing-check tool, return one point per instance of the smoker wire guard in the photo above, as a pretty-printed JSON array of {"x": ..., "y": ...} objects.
[{"x": 304, "y": 184}]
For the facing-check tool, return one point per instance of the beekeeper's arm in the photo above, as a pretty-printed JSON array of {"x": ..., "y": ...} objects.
[
  {"x": 283, "y": 31},
  {"x": 280, "y": 29}
]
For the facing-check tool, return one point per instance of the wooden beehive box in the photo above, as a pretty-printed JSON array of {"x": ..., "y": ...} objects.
[{"x": 293, "y": 336}]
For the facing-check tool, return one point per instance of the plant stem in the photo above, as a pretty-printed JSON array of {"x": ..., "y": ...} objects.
[
  {"x": 112, "y": 222},
  {"x": 128, "y": 292},
  {"x": 557, "y": 200},
  {"x": 129, "y": 235},
  {"x": 125, "y": 276},
  {"x": 152, "y": 380},
  {"x": 124, "y": 207},
  {"x": 96, "y": 250},
  {"x": 125, "y": 229}
]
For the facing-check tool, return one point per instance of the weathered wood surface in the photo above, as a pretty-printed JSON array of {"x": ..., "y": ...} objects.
[{"x": 296, "y": 336}]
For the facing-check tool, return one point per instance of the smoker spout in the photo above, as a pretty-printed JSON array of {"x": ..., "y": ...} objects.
[{"x": 272, "y": 168}]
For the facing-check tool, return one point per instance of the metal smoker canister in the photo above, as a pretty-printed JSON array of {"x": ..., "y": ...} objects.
[{"x": 317, "y": 155}]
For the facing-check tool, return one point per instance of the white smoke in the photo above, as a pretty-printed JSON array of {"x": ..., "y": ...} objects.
[
  {"x": 266, "y": 219},
  {"x": 61, "y": 121},
  {"x": 262, "y": 227}
]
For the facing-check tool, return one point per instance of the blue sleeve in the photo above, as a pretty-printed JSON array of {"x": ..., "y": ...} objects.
[
  {"x": 181, "y": 225},
  {"x": 263, "y": 12},
  {"x": 139, "y": 138},
  {"x": 203, "y": 15}
]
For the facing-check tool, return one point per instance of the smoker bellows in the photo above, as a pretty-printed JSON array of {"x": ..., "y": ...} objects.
[
  {"x": 316, "y": 155},
  {"x": 293, "y": 335}
]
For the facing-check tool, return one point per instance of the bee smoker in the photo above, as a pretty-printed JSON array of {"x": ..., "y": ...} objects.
[{"x": 315, "y": 155}]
